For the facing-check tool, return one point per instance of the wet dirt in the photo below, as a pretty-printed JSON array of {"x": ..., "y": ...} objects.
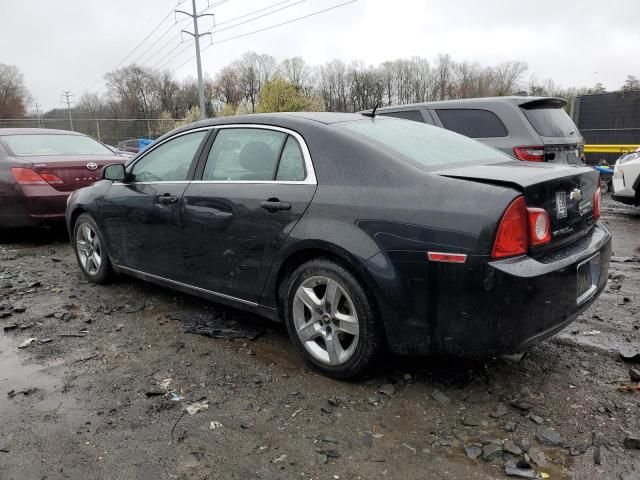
[{"x": 111, "y": 392}]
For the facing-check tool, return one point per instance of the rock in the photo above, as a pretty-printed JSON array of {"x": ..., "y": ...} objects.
[
  {"x": 522, "y": 470},
  {"x": 446, "y": 441},
  {"x": 329, "y": 452},
  {"x": 19, "y": 309},
  {"x": 34, "y": 285},
  {"x": 46, "y": 340},
  {"x": 473, "y": 452},
  {"x": 388, "y": 389},
  {"x": 549, "y": 437},
  {"x": 491, "y": 452},
  {"x": 510, "y": 427},
  {"x": 537, "y": 457},
  {"x": 521, "y": 405},
  {"x": 632, "y": 442},
  {"x": 321, "y": 459},
  {"x": 12, "y": 326},
  {"x": 524, "y": 444},
  {"x": 119, "y": 327},
  {"x": 511, "y": 447},
  {"x": 500, "y": 411},
  {"x": 333, "y": 401},
  {"x": 326, "y": 407},
  {"x": 578, "y": 449},
  {"x": 135, "y": 306},
  {"x": 471, "y": 421},
  {"x": 26, "y": 343},
  {"x": 440, "y": 397},
  {"x": 634, "y": 373},
  {"x": 536, "y": 419}
]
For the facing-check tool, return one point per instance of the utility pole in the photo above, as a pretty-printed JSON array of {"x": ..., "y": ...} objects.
[
  {"x": 37, "y": 105},
  {"x": 67, "y": 94},
  {"x": 196, "y": 36}
]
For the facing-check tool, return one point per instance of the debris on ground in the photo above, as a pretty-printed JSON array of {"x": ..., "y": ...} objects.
[
  {"x": 197, "y": 407},
  {"x": 388, "y": 389},
  {"x": 473, "y": 451},
  {"x": 520, "y": 469},
  {"x": 136, "y": 306},
  {"x": 222, "y": 326},
  {"x": 23, "y": 391},
  {"x": 214, "y": 424},
  {"x": 440, "y": 397},
  {"x": 549, "y": 437},
  {"x": 26, "y": 343}
]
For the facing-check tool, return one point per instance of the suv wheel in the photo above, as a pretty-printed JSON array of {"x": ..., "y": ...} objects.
[{"x": 329, "y": 318}]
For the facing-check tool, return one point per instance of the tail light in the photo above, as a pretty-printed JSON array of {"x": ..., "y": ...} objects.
[
  {"x": 539, "y": 227},
  {"x": 529, "y": 154},
  {"x": 597, "y": 199},
  {"x": 512, "y": 238},
  {"x": 520, "y": 229},
  {"x": 26, "y": 176}
]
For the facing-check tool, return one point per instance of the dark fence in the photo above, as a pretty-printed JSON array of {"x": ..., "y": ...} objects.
[{"x": 608, "y": 119}]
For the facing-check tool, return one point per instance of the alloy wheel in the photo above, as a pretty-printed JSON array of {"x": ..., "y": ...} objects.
[
  {"x": 89, "y": 249},
  {"x": 325, "y": 320}
]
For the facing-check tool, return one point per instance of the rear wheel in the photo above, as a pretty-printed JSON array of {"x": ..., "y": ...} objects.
[
  {"x": 91, "y": 250},
  {"x": 330, "y": 319}
]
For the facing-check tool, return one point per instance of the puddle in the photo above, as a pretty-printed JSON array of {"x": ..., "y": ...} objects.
[{"x": 18, "y": 375}]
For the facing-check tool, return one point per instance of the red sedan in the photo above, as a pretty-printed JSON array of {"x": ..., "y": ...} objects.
[{"x": 40, "y": 168}]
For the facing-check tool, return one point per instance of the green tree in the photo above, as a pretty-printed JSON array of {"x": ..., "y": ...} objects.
[
  {"x": 631, "y": 83},
  {"x": 279, "y": 95}
]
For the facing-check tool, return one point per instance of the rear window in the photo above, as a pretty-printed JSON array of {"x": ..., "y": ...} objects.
[
  {"x": 52, "y": 145},
  {"x": 414, "y": 115},
  {"x": 473, "y": 123},
  {"x": 422, "y": 144},
  {"x": 551, "y": 122}
]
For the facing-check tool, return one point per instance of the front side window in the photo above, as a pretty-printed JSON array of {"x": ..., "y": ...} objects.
[
  {"x": 244, "y": 154},
  {"x": 473, "y": 123},
  {"x": 170, "y": 161},
  {"x": 54, "y": 145}
]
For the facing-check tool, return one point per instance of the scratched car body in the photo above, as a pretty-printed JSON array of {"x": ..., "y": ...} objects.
[
  {"x": 39, "y": 168},
  {"x": 360, "y": 233}
]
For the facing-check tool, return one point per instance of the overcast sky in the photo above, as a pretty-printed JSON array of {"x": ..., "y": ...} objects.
[{"x": 70, "y": 44}]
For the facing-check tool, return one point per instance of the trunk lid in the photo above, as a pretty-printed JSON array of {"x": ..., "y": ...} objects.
[
  {"x": 75, "y": 171},
  {"x": 566, "y": 193}
]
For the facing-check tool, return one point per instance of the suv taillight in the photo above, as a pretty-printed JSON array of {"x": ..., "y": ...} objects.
[
  {"x": 529, "y": 154},
  {"x": 521, "y": 228},
  {"x": 26, "y": 176}
]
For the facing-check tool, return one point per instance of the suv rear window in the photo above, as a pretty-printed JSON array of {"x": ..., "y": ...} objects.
[
  {"x": 473, "y": 123},
  {"x": 422, "y": 144},
  {"x": 550, "y": 122},
  {"x": 414, "y": 115}
]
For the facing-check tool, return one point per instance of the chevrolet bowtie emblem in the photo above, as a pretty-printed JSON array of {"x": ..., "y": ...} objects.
[{"x": 576, "y": 194}]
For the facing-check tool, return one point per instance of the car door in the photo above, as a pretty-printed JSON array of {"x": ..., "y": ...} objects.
[
  {"x": 255, "y": 184},
  {"x": 142, "y": 214}
]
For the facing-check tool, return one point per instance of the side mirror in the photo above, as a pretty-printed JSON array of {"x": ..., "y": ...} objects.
[{"x": 114, "y": 172}]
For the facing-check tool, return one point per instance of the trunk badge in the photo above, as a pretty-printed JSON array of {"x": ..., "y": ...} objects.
[
  {"x": 561, "y": 204},
  {"x": 92, "y": 166},
  {"x": 576, "y": 194}
]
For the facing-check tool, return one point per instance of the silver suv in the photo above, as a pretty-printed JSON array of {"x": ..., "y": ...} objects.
[{"x": 535, "y": 129}]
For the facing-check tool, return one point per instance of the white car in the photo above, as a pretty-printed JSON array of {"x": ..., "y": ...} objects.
[{"x": 626, "y": 179}]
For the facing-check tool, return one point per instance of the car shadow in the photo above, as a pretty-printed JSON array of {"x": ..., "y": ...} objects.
[{"x": 34, "y": 235}]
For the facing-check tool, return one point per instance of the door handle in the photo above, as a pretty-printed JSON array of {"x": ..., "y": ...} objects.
[
  {"x": 273, "y": 205},
  {"x": 167, "y": 199}
]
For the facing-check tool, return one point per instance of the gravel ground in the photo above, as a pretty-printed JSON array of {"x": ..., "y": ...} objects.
[{"x": 102, "y": 390}]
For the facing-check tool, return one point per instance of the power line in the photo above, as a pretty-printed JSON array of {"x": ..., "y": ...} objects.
[
  {"x": 256, "y": 18},
  {"x": 270, "y": 28}
]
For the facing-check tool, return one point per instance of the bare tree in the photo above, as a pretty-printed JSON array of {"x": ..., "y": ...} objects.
[{"x": 14, "y": 96}]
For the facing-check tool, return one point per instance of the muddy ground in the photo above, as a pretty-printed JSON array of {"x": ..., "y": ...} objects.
[{"x": 102, "y": 389}]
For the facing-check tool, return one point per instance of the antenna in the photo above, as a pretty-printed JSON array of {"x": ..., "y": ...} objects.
[{"x": 372, "y": 113}]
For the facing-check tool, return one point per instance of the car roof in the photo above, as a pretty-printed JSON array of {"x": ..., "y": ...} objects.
[
  {"x": 36, "y": 131},
  {"x": 320, "y": 117},
  {"x": 478, "y": 102}
]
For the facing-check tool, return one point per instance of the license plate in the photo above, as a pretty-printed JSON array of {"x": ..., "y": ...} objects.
[{"x": 588, "y": 277}]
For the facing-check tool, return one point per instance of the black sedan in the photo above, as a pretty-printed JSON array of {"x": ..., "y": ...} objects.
[{"x": 360, "y": 233}]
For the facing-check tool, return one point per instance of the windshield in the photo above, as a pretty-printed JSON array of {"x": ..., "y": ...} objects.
[
  {"x": 551, "y": 122},
  {"x": 424, "y": 144},
  {"x": 48, "y": 144}
]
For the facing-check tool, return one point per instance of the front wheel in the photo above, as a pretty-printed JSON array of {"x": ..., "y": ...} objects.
[
  {"x": 330, "y": 318},
  {"x": 91, "y": 250}
]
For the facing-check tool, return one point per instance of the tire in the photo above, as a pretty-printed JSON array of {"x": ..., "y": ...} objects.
[
  {"x": 341, "y": 342},
  {"x": 91, "y": 250}
]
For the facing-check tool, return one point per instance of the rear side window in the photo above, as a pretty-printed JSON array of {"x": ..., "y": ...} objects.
[
  {"x": 54, "y": 145},
  {"x": 291, "y": 167},
  {"x": 421, "y": 144},
  {"x": 414, "y": 115},
  {"x": 241, "y": 154},
  {"x": 473, "y": 123},
  {"x": 551, "y": 122}
]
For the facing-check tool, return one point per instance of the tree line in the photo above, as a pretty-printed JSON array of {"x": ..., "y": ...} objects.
[{"x": 259, "y": 83}]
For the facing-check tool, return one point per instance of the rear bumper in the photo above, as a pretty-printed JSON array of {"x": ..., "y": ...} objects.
[
  {"x": 33, "y": 205},
  {"x": 483, "y": 308}
]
